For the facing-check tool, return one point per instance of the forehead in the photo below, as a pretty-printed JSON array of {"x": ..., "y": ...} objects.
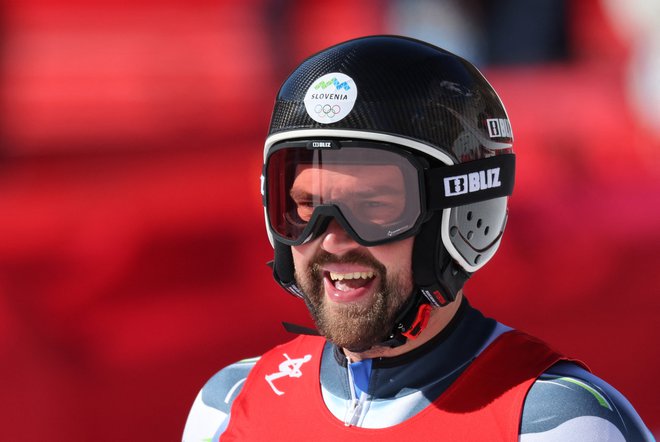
[{"x": 348, "y": 175}]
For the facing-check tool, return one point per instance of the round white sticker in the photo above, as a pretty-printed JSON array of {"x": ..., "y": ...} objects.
[{"x": 330, "y": 98}]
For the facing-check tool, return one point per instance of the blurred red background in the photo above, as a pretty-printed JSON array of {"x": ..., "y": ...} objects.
[{"x": 132, "y": 246}]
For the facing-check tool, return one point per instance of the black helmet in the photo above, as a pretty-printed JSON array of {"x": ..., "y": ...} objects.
[{"x": 420, "y": 99}]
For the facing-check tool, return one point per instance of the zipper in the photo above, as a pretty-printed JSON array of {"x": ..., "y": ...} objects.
[{"x": 354, "y": 406}]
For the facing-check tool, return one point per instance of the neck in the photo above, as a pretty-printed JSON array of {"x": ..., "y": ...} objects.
[{"x": 438, "y": 320}]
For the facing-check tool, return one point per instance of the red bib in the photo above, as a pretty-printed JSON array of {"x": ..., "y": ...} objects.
[{"x": 281, "y": 399}]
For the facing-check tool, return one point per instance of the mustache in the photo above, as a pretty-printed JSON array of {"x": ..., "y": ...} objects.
[{"x": 352, "y": 257}]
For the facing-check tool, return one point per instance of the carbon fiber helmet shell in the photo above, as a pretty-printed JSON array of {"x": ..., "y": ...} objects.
[
  {"x": 405, "y": 87},
  {"x": 429, "y": 101}
]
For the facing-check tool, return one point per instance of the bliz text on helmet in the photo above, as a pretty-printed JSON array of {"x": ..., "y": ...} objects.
[
  {"x": 322, "y": 144},
  {"x": 472, "y": 182},
  {"x": 499, "y": 127}
]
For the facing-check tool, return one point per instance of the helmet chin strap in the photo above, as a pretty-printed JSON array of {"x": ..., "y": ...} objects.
[
  {"x": 411, "y": 321},
  {"x": 436, "y": 285}
]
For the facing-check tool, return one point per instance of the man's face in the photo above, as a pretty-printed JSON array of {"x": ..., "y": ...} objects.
[{"x": 354, "y": 292}]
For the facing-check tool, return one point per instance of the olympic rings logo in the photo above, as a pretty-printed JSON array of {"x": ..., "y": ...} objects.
[{"x": 327, "y": 110}]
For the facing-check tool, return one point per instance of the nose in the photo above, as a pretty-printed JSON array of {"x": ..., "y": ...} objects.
[{"x": 336, "y": 240}]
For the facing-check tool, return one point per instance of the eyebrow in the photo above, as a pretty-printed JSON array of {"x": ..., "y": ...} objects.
[
  {"x": 378, "y": 190},
  {"x": 298, "y": 194}
]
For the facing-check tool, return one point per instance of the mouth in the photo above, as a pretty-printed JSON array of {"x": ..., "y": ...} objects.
[{"x": 348, "y": 286}]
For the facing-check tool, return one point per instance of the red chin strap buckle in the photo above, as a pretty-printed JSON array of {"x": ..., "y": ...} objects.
[{"x": 420, "y": 322}]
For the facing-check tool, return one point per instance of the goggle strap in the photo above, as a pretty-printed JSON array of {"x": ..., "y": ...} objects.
[{"x": 471, "y": 182}]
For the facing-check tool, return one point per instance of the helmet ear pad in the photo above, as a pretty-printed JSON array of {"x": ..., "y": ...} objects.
[{"x": 472, "y": 233}]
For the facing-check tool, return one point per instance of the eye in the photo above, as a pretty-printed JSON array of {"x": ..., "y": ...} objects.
[
  {"x": 304, "y": 209},
  {"x": 305, "y": 203},
  {"x": 378, "y": 211}
]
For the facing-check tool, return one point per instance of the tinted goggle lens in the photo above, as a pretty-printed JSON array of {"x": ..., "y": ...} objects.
[{"x": 373, "y": 193}]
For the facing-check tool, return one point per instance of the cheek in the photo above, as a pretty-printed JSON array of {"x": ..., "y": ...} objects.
[
  {"x": 397, "y": 255},
  {"x": 301, "y": 255}
]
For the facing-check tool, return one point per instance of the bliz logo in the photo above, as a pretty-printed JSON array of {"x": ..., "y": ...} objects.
[
  {"x": 499, "y": 128},
  {"x": 324, "y": 84},
  {"x": 472, "y": 182}
]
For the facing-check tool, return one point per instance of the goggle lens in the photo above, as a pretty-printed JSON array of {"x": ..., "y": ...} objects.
[{"x": 372, "y": 191}]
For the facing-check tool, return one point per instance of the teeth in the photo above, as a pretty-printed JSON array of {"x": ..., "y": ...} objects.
[{"x": 354, "y": 275}]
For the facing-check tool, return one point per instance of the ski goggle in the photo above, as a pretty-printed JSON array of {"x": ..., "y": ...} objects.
[{"x": 375, "y": 191}]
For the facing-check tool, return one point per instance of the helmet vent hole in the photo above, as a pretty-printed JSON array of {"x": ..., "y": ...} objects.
[
  {"x": 479, "y": 223},
  {"x": 486, "y": 230},
  {"x": 469, "y": 216}
]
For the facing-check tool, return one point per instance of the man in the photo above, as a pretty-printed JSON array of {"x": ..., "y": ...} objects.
[{"x": 386, "y": 175}]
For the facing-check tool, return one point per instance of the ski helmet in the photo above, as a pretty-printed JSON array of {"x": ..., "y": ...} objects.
[{"x": 382, "y": 94}]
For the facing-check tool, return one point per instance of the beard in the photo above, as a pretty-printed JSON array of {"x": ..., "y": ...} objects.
[{"x": 355, "y": 327}]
